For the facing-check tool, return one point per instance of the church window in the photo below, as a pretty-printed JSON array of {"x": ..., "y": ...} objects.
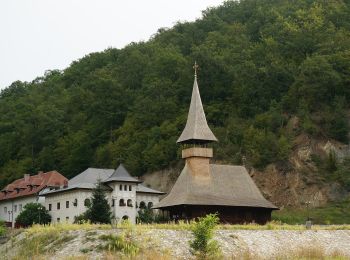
[
  {"x": 120, "y": 187},
  {"x": 129, "y": 187},
  {"x": 142, "y": 205},
  {"x": 129, "y": 202},
  {"x": 67, "y": 204},
  {"x": 58, "y": 205},
  {"x": 150, "y": 205},
  {"x": 87, "y": 203},
  {"x": 121, "y": 202},
  {"x": 125, "y": 187},
  {"x": 50, "y": 207}
]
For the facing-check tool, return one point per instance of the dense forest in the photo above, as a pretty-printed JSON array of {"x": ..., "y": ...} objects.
[{"x": 261, "y": 63}]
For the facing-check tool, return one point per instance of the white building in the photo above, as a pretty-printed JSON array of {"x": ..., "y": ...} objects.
[{"x": 125, "y": 194}]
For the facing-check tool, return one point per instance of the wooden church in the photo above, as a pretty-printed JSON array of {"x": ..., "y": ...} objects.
[{"x": 204, "y": 188}]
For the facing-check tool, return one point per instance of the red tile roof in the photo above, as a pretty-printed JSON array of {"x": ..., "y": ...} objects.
[{"x": 30, "y": 185}]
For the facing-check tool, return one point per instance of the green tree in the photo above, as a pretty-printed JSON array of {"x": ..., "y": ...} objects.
[
  {"x": 203, "y": 245},
  {"x": 99, "y": 210},
  {"x": 33, "y": 213}
]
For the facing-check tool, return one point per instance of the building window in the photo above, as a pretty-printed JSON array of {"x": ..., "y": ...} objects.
[
  {"x": 125, "y": 187},
  {"x": 87, "y": 203},
  {"x": 120, "y": 187},
  {"x": 5, "y": 209},
  {"x": 142, "y": 205},
  {"x": 121, "y": 202},
  {"x": 129, "y": 187},
  {"x": 67, "y": 204},
  {"x": 67, "y": 219},
  {"x": 20, "y": 207},
  {"x": 75, "y": 203},
  {"x": 150, "y": 205},
  {"x": 15, "y": 208},
  {"x": 50, "y": 207},
  {"x": 58, "y": 220},
  {"x": 129, "y": 202},
  {"x": 112, "y": 202},
  {"x": 58, "y": 205}
]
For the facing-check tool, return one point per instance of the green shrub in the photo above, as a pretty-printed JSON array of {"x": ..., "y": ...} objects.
[
  {"x": 145, "y": 215},
  {"x": 33, "y": 213},
  {"x": 203, "y": 245},
  {"x": 80, "y": 219},
  {"x": 2, "y": 228}
]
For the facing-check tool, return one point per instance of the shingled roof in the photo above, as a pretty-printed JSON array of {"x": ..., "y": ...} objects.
[
  {"x": 32, "y": 185},
  {"x": 225, "y": 185},
  {"x": 196, "y": 126},
  {"x": 121, "y": 174}
]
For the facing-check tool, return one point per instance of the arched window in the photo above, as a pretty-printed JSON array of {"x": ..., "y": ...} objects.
[
  {"x": 87, "y": 202},
  {"x": 150, "y": 205},
  {"x": 121, "y": 202},
  {"x": 142, "y": 205},
  {"x": 129, "y": 202}
]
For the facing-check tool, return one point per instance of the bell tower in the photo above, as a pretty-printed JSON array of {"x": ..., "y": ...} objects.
[{"x": 197, "y": 135}]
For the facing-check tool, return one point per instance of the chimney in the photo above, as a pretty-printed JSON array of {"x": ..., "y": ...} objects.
[
  {"x": 65, "y": 184},
  {"x": 26, "y": 177}
]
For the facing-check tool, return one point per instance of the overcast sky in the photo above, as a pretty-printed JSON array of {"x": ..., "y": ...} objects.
[{"x": 40, "y": 35}]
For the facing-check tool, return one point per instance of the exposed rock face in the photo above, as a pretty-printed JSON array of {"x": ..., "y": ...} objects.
[{"x": 292, "y": 184}]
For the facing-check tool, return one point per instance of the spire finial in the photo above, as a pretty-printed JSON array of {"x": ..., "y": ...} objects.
[{"x": 195, "y": 67}]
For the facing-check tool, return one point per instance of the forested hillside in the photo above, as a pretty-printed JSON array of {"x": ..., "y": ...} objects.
[{"x": 262, "y": 62}]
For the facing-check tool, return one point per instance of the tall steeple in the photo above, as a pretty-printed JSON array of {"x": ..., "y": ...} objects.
[{"x": 196, "y": 129}]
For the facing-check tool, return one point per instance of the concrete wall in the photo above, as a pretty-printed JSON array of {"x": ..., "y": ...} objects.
[
  {"x": 10, "y": 209},
  {"x": 125, "y": 192},
  {"x": 64, "y": 213},
  {"x": 146, "y": 198}
]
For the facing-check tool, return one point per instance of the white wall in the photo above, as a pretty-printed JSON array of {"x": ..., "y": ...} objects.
[
  {"x": 10, "y": 209},
  {"x": 147, "y": 197},
  {"x": 65, "y": 214},
  {"x": 117, "y": 194}
]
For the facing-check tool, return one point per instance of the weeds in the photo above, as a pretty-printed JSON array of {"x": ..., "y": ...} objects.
[{"x": 120, "y": 244}]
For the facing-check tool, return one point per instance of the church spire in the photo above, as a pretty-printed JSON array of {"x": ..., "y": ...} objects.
[{"x": 196, "y": 129}]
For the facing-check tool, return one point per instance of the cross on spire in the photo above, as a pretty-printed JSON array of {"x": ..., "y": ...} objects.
[{"x": 195, "y": 67}]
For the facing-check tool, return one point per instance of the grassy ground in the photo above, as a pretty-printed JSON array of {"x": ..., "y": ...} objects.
[{"x": 337, "y": 213}]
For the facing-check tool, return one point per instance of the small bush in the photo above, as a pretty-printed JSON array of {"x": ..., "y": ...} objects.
[
  {"x": 2, "y": 228},
  {"x": 145, "y": 216},
  {"x": 203, "y": 246}
]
